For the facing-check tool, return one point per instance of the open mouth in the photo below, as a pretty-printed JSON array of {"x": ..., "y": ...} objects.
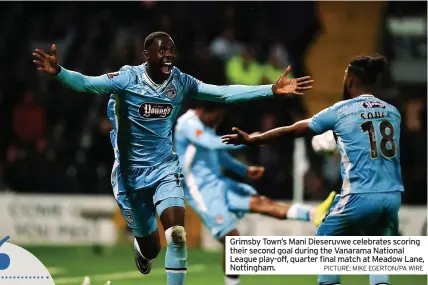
[{"x": 166, "y": 67}]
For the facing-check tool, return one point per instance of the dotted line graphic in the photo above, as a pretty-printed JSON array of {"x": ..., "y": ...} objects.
[{"x": 24, "y": 277}]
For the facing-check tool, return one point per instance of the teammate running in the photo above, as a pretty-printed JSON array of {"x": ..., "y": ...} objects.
[
  {"x": 216, "y": 198},
  {"x": 367, "y": 132},
  {"x": 146, "y": 176}
]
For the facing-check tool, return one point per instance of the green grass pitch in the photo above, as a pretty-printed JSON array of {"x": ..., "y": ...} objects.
[{"x": 69, "y": 265}]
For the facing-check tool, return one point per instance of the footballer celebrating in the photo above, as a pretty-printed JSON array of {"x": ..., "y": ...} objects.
[
  {"x": 367, "y": 132},
  {"x": 146, "y": 176}
]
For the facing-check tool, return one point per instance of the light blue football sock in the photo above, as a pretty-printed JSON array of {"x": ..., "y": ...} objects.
[
  {"x": 176, "y": 255},
  {"x": 299, "y": 212}
]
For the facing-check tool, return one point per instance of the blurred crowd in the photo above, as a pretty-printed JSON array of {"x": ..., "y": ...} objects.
[{"x": 57, "y": 141}]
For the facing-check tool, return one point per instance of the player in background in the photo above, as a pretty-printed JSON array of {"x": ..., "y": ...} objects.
[
  {"x": 367, "y": 132},
  {"x": 216, "y": 198},
  {"x": 146, "y": 176}
]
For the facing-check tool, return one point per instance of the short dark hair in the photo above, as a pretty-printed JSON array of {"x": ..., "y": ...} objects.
[
  {"x": 367, "y": 68},
  {"x": 150, "y": 38},
  {"x": 209, "y": 105}
]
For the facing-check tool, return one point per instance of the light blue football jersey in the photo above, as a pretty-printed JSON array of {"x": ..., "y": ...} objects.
[
  {"x": 367, "y": 132},
  {"x": 202, "y": 153},
  {"x": 142, "y": 112}
]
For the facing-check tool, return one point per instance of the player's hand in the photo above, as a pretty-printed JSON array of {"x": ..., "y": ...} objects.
[
  {"x": 47, "y": 63},
  {"x": 287, "y": 86},
  {"x": 240, "y": 137},
  {"x": 255, "y": 172}
]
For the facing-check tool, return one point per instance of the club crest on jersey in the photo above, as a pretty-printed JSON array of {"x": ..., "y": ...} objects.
[
  {"x": 171, "y": 92},
  {"x": 155, "y": 110}
]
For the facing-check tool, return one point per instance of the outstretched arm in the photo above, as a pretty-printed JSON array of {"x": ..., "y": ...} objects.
[
  {"x": 320, "y": 123},
  {"x": 194, "y": 131},
  {"x": 242, "y": 93},
  {"x": 298, "y": 129},
  {"x": 209, "y": 141},
  {"x": 232, "y": 93},
  {"x": 104, "y": 84},
  {"x": 232, "y": 164}
]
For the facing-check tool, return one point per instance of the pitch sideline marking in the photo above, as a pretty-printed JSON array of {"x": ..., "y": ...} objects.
[{"x": 197, "y": 268}]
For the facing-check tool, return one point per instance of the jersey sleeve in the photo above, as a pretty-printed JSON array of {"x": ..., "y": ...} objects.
[
  {"x": 104, "y": 84},
  {"x": 230, "y": 163},
  {"x": 194, "y": 131},
  {"x": 323, "y": 121},
  {"x": 226, "y": 93}
]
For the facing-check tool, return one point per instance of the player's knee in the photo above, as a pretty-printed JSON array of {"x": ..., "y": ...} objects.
[{"x": 176, "y": 235}]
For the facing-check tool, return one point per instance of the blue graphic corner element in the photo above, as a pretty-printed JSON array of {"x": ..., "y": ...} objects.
[{"x": 4, "y": 258}]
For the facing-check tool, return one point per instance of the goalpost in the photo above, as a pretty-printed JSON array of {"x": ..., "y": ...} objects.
[{"x": 300, "y": 166}]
